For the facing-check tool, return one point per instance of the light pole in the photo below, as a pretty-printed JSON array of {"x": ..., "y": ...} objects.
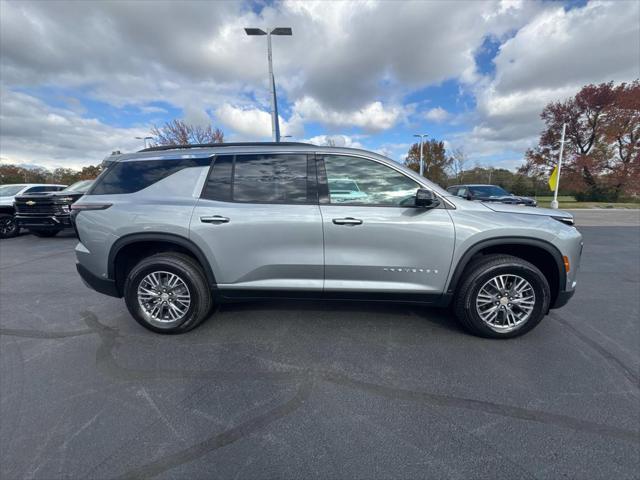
[
  {"x": 275, "y": 125},
  {"x": 421, "y": 135},
  {"x": 145, "y": 140}
]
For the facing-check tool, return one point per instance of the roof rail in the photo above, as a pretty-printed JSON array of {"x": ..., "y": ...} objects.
[{"x": 237, "y": 144}]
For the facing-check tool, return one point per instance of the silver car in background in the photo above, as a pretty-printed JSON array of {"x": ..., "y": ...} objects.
[{"x": 177, "y": 230}]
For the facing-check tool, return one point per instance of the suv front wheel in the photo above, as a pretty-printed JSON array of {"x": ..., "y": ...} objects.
[
  {"x": 502, "y": 297},
  {"x": 167, "y": 293},
  {"x": 8, "y": 226}
]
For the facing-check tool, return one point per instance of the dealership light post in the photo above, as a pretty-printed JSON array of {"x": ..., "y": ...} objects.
[
  {"x": 421, "y": 135},
  {"x": 275, "y": 126}
]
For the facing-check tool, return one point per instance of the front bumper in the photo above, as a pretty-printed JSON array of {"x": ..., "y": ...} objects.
[
  {"x": 100, "y": 285},
  {"x": 563, "y": 298},
  {"x": 43, "y": 221}
]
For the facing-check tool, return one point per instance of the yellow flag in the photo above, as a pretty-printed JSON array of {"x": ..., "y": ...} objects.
[{"x": 553, "y": 179}]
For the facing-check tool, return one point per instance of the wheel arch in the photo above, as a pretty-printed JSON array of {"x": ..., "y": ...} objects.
[
  {"x": 129, "y": 249},
  {"x": 7, "y": 209},
  {"x": 541, "y": 253}
]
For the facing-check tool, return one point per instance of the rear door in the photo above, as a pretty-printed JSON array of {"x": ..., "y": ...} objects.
[
  {"x": 376, "y": 240},
  {"x": 259, "y": 223}
]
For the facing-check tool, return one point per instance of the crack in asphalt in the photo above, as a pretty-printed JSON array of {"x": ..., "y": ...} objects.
[{"x": 603, "y": 352}]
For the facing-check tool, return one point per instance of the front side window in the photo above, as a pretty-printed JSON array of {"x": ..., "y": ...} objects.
[
  {"x": 359, "y": 181},
  {"x": 261, "y": 178}
]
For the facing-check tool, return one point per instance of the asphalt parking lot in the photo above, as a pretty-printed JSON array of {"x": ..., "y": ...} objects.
[{"x": 318, "y": 390}]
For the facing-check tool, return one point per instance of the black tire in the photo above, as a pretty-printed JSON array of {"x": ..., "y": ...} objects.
[
  {"x": 44, "y": 232},
  {"x": 480, "y": 272},
  {"x": 8, "y": 226},
  {"x": 190, "y": 272}
]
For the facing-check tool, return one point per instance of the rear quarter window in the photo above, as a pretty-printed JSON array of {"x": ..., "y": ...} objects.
[{"x": 130, "y": 177}]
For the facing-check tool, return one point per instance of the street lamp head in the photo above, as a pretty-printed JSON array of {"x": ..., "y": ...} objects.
[
  {"x": 255, "y": 31},
  {"x": 282, "y": 31}
]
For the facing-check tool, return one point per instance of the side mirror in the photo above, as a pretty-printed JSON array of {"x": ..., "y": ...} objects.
[
  {"x": 468, "y": 196},
  {"x": 426, "y": 199}
]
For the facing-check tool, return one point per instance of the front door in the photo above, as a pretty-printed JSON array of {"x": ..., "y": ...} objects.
[
  {"x": 259, "y": 223},
  {"x": 375, "y": 239}
]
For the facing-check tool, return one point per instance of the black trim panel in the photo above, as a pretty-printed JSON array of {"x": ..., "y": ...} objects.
[
  {"x": 234, "y": 295},
  {"x": 563, "y": 298},
  {"x": 101, "y": 285},
  {"x": 493, "y": 242}
]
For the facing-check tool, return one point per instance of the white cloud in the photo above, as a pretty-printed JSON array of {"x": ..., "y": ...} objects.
[
  {"x": 252, "y": 123},
  {"x": 335, "y": 140},
  {"x": 437, "y": 114},
  {"x": 34, "y": 133},
  {"x": 551, "y": 59},
  {"x": 371, "y": 117}
]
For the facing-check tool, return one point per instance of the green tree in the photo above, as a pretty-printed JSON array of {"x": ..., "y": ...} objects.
[{"x": 436, "y": 161}]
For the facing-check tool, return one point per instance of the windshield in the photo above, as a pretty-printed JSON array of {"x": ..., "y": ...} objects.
[
  {"x": 79, "y": 187},
  {"x": 10, "y": 190},
  {"x": 488, "y": 191}
]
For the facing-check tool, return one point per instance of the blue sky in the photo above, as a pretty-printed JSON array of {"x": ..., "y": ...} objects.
[{"x": 79, "y": 80}]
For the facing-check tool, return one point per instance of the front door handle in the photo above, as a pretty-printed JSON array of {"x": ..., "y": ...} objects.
[
  {"x": 347, "y": 221},
  {"x": 215, "y": 219}
]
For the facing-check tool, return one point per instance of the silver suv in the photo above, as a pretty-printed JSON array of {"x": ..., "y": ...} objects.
[{"x": 177, "y": 230}]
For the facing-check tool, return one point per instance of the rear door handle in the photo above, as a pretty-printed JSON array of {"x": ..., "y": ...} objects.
[
  {"x": 347, "y": 221},
  {"x": 215, "y": 219}
]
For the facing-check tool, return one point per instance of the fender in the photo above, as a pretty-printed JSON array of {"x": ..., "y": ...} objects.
[
  {"x": 492, "y": 242},
  {"x": 160, "y": 237}
]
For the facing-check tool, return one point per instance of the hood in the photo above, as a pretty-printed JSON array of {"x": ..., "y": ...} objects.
[
  {"x": 50, "y": 197},
  {"x": 508, "y": 199},
  {"x": 507, "y": 208}
]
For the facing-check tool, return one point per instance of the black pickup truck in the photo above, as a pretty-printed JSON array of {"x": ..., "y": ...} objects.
[{"x": 46, "y": 214}]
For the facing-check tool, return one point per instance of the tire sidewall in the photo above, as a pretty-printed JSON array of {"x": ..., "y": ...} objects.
[
  {"x": 534, "y": 277},
  {"x": 16, "y": 229},
  {"x": 131, "y": 295}
]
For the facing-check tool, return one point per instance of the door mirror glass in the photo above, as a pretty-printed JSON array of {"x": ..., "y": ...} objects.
[{"x": 426, "y": 199}]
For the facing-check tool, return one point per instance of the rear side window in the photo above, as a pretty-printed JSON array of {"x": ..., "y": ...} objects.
[
  {"x": 267, "y": 178},
  {"x": 129, "y": 177}
]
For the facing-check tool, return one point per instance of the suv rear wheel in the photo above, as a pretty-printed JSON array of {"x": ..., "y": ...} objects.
[
  {"x": 167, "y": 293},
  {"x": 502, "y": 297},
  {"x": 8, "y": 226}
]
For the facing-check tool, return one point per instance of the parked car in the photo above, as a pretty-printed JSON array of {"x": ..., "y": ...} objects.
[
  {"x": 8, "y": 226},
  {"x": 47, "y": 214},
  {"x": 176, "y": 232},
  {"x": 490, "y": 193}
]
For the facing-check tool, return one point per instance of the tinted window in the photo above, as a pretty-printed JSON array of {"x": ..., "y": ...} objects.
[
  {"x": 488, "y": 191},
  {"x": 358, "y": 181},
  {"x": 270, "y": 178},
  {"x": 129, "y": 177},
  {"x": 79, "y": 187},
  {"x": 219, "y": 182},
  {"x": 43, "y": 188},
  {"x": 10, "y": 190}
]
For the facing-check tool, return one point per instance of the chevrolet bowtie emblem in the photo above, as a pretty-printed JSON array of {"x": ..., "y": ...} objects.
[{"x": 31, "y": 202}]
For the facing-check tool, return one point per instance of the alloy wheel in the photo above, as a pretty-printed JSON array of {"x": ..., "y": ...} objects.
[
  {"x": 505, "y": 302},
  {"x": 164, "y": 298}
]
